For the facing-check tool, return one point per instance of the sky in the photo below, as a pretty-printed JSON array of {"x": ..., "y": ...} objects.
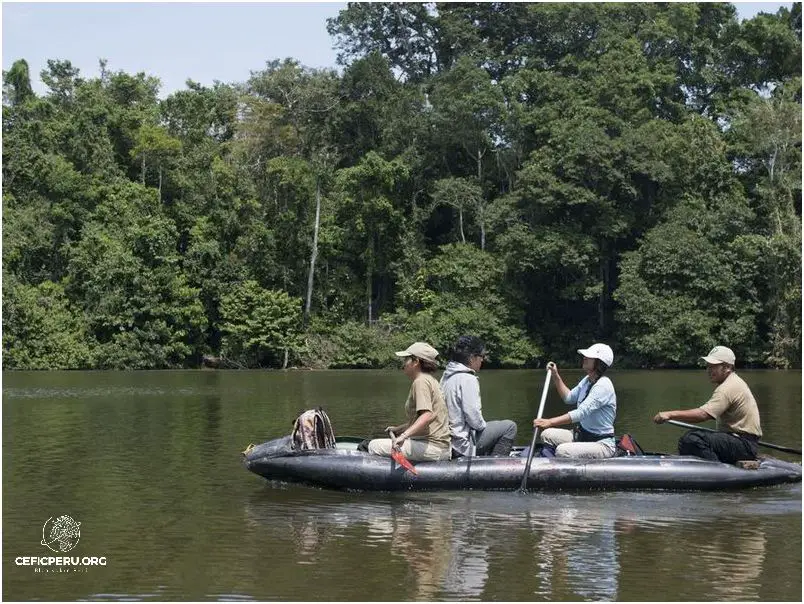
[{"x": 176, "y": 41}]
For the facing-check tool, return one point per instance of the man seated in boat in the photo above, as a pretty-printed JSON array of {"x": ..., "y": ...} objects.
[
  {"x": 425, "y": 435},
  {"x": 732, "y": 405},
  {"x": 471, "y": 434},
  {"x": 593, "y": 437}
]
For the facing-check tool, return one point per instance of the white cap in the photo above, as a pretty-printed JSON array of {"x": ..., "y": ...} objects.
[
  {"x": 720, "y": 354},
  {"x": 599, "y": 351},
  {"x": 420, "y": 350}
]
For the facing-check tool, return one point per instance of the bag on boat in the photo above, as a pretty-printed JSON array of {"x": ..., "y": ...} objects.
[
  {"x": 626, "y": 445},
  {"x": 312, "y": 430}
]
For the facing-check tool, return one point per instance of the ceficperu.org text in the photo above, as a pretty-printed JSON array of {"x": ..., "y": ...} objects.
[{"x": 60, "y": 561}]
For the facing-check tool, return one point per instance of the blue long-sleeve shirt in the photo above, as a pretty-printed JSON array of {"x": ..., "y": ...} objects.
[{"x": 597, "y": 410}]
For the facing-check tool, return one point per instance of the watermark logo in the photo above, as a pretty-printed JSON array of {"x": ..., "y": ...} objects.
[{"x": 61, "y": 534}]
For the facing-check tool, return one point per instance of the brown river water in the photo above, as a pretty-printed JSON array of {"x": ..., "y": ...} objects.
[{"x": 149, "y": 464}]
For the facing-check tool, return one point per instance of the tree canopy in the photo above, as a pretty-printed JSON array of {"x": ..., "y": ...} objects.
[{"x": 541, "y": 175}]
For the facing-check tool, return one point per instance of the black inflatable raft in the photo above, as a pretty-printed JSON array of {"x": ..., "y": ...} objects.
[{"x": 347, "y": 468}]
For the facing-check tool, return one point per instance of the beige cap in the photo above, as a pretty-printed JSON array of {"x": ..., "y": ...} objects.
[
  {"x": 420, "y": 350},
  {"x": 720, "y": 354}
]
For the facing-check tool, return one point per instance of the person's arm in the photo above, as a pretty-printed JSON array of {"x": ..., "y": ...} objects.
[
  {"x": 552, "y": 422},
  {"x": 693, "y": 416},
  {"x": 419, "y": 427},
  {"x": 397, "y": 429},
  {"x": 561, "y": 387},
  {"x": 470, "y": 403},
  {"x": 711, "y": 409},
  {"x": 423, "y": 400}
]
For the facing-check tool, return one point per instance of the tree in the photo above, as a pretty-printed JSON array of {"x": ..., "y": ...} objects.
[
  {"x": 766, "y": 142},
  {"x": 155, "y": 146},
  {"x": 460, "y": 291},
  {"x": 260, "y": 326},
  {"x": 405, "y": 33},
  {"x": 464, "y": 195},
  {"x": 17, "y": 84},
  {"x": 123, "y": 275},
  {"x": 42, "y": 329},
  {"x": 297, "y": 104},
  {"x": 692, "y": 283},
  {"x": 369, "y": 213}
]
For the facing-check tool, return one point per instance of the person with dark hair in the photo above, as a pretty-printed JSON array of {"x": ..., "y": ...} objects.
[
  {"x": 471, "y": 434},
  {"x": 425, "y": 435},
  {"x": 593, "y": 437},
  {"x": 733, "y": 406}
]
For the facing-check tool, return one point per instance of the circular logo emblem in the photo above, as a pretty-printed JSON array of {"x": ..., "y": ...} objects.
[{"x": 61, "y": 534}]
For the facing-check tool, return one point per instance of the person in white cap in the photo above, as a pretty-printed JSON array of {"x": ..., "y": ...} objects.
[
  {"x": 733, "y": 406},
  {"x": 425, "y": 435},
  {"x": 593, "y": 437}
]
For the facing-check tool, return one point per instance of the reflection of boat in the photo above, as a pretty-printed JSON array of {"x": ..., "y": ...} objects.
[{"x": 347, "y": 468}]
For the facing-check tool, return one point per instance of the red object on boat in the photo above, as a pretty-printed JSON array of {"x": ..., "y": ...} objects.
[{"x": 400, "y": 458}]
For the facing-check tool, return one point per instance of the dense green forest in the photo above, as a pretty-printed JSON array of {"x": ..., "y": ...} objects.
[{"x": 541, "y": 175}]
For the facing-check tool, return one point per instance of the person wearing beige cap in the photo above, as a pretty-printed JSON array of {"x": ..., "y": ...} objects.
[
  {"x": 425, "y": 435},
  {"x": 733, "y": 406}
]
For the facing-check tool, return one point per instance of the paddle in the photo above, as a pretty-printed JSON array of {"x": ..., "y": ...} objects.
[
  {"x": 523, "y": 486},
  {"x": 400, "y": 458},
  {"x": 760, "y": 443}
]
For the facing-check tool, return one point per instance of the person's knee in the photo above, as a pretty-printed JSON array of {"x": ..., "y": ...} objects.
[
  {"x": 690, "y": 443},
  {"x": 699, "y": 444},
  {"x": 549, "y": 435},
  {"x": 564, "y": 450},
  {"x": 510, "y": 429},
  {"x": 375, "y": 447}
]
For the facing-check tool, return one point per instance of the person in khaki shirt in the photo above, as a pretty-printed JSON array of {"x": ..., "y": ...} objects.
[
  {"x": 425, "y": 436},
  {"x": 732, "y": 405}
]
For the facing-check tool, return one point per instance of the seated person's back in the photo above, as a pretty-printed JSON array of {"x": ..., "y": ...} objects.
[{"x": 471, "y": 433}]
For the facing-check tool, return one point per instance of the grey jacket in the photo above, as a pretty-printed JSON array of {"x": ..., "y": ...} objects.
[{"x": 462, "y": 393}]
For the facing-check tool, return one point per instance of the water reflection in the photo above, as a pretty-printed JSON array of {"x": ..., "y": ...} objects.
[
  {"x": 421, "y": 538},
  {"x": 578, "y": 552},
  {"x": 441, "y": 549},
  {"x": 735, "y": 560},
  {"x": 453, "y": 547},
  {"x": 469, "y": 566}
]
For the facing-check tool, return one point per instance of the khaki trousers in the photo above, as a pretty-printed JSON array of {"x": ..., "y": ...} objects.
[
  {"x": 562, "y": 440},
  {"x": 413, "y": 448}
]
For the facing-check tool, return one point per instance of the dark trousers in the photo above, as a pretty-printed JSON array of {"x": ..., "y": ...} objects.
[
  {"x": 495, "y": 430},
  {"x": 717, "y": 446}
]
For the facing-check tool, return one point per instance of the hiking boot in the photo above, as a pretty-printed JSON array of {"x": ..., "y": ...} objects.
[{"x": 502, "y": 447}]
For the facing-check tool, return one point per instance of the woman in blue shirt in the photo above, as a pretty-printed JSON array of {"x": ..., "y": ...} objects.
[{"x": 593, "y": 436}]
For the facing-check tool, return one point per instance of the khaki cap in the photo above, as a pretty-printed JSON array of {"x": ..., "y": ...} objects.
[
  {"x": 420, "y": 350},
  {"x": 719, "y": 355}
]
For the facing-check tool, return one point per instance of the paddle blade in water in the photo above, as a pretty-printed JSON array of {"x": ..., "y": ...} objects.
[{"x": 399, "y": 458}]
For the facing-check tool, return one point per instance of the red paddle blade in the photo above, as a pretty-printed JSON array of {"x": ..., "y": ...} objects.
[{"x": 399, "y": 458}]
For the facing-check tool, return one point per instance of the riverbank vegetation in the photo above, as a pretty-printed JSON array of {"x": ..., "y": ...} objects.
[{"x": 542, "y": 176}]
